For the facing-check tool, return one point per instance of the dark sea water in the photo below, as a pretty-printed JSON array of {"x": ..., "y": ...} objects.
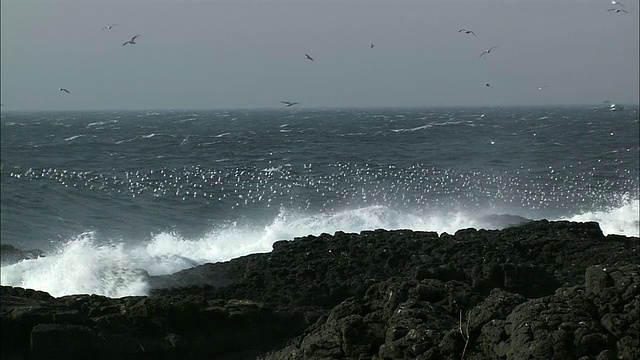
[{"x": 109, "y": 196}]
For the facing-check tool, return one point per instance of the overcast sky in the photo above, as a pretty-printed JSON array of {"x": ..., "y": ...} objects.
[{"x": 213, "y": 54}]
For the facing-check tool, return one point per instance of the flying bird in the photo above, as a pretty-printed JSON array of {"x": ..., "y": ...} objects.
[
  {"x": 467, "y": 31},
  {"x": 65, "y": 90},
  {"x": 372, "y": 46},
  {"x": 487, "y": 51},
  {"x": 487, "y": 85},
  {"x": 308, "y": 57},
  {"x": 132, "y": 41},
  {"x": 542, "y": 87},
  {"x": 109, "y": 27},
  {"x": 618, "y": 10},
  {"x": 613, "y": 2},
  {"x": 289, "y": 103}
]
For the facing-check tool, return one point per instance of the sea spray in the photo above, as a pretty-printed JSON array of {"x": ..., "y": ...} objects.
[
  {"x": 623, "y": 219},
  {"x": 85, "y": 264},
  {"x": 80, "y": 266}
]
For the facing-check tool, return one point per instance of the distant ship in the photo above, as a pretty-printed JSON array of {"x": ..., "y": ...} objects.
[{"x": 612, "y": 107}]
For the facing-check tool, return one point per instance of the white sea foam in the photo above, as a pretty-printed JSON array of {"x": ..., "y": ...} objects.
[
  {"x": 622, "y": 219},
  {"x": 86, "y": 265},
  {"x": 96, "y": 123},
  {"x": 73, "y": 137},
  {"x": 413, "y": 129},
  {"x": 83, "y": 265},
  {"x": 80, "y": 266}
]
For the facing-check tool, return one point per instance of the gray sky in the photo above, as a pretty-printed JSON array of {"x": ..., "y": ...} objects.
[{"x": 213, "y": 54}]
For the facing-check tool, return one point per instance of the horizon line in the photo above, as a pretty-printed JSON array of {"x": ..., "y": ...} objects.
[{"x": 5, "y": 109}]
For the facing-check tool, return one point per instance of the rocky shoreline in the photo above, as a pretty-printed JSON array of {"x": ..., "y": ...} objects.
[{"x": 541, "y": 290}]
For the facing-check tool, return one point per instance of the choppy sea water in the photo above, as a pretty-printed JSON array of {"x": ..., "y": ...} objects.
[{"x": 112, "y": 196}]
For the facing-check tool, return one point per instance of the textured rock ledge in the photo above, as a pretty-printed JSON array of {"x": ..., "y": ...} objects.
[{"x": 544, "y": 290}]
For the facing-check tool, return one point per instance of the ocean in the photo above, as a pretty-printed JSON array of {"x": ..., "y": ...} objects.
[{"x": 111, "y": 197}]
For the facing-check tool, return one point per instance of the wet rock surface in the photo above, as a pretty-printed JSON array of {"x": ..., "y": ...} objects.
[{"x": 544, "y": 290}]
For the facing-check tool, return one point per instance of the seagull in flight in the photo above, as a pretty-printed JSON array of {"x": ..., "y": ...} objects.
[
  {"x": 487, "y": 51},
  {"x": 109, "y": 27},
  {"x": 618, "y": 10},
  {"x": 65, "y": 90},
  {"x": 467, "y": 31},
  {"x": 372, "y": 46},
  {"x": 289, "y": 103},
  {"x": 542, "y": 87},
  {"x": 308, "y": 57},
  {"x": 614, "y": 2},
  {"x": 132, "y": 41}
]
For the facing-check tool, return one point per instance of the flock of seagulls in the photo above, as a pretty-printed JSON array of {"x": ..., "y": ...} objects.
[
  {"x": 402, "y": 186},
  {"x": 467, "y": 32},
  {"x": 463, "y": 30},
  {"x": 618, "y": 8},
  {"x": 108, "y": 28}
]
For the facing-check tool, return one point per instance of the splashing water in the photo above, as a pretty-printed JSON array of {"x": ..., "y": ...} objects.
[{"x": 84, "y": 265}]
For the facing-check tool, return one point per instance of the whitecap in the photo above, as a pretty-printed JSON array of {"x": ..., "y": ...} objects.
[{"x": 73, "y": 137}]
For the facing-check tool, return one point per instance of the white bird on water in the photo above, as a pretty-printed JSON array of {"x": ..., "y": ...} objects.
[
  {"x": 132, "y": 41},
  {"x": 487, "y": 51},
  {"x": 65, "y": 90}
]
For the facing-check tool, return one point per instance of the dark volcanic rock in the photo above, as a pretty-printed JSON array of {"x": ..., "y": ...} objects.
[
  {"x": 496, "y": 221},
  {"x": 552, "y": 290},
  {"x": 395, "y": 321},
  {"x": 11, "y": 255},
  {"x": 35, "y": 325}
]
